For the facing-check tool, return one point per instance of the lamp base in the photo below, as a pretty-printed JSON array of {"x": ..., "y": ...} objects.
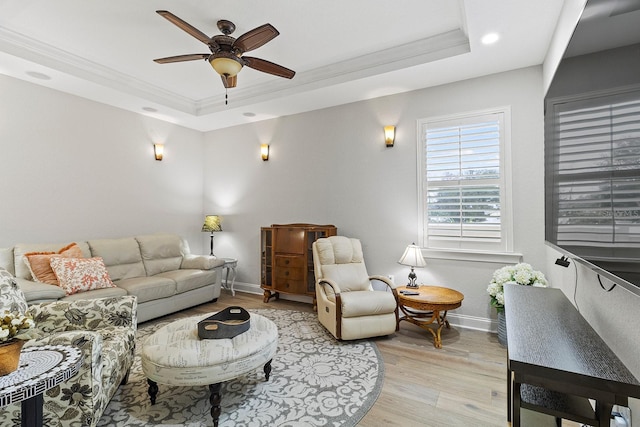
[{"x": 412, "y": 280}]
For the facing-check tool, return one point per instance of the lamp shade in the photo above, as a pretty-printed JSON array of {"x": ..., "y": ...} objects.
[
  {"x": 212, "y": 223},
  {"x": 412, "y": 257}
]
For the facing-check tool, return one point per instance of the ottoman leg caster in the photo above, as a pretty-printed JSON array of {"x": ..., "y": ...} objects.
[
  {"x": 215, "y": 399},
  {"x": 153, "y": 390},
  {"x": 267, "y": 369}
]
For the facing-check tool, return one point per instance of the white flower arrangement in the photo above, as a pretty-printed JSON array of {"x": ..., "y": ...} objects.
[
  {"x": 521, "y": 274},
  {"x": 16, "y": 326}
]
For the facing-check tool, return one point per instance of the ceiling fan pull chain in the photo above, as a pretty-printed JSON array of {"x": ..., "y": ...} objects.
[{"x": 226, "y": 98}]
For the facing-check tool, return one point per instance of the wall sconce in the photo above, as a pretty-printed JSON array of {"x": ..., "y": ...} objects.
[
  {"x": 158, "y": 150},
  {"x": 264, "y": 151},
  {"x": 389, "y": 135}
]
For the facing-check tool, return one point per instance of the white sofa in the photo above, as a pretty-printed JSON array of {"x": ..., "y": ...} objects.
[{"x": 157, "y": 269}]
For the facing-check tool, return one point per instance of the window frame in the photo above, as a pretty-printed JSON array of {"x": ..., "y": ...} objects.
[{"x": 460, "y": 248}]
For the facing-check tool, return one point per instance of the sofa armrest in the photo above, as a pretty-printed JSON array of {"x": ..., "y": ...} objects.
[
  {"x": 201, "y": 262},
  {"x": 91, "y": 314},
  {"x": 36, "y": 292}
]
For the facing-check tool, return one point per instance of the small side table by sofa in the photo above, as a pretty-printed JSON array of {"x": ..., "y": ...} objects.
[
  {"x": 41, "y": 368},
  {"x": 230, "y": 264},
  {"x": 428, "y": 307}
]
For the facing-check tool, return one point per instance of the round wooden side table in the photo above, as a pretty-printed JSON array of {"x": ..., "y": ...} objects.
[
  {"x": 41, "y": 368},
  {"x": 429, "y": 307}
]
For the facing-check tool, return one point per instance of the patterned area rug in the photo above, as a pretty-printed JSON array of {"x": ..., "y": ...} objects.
[{"x": 315, "y": 381}]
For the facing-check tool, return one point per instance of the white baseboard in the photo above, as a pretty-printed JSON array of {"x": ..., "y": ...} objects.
[
  {"x": 458, "y": 320},
  {"x": 472, "y": 322}
]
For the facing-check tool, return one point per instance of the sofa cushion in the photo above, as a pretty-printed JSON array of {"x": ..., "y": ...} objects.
[
  {"x": 113, "y": 292},
  {"x": 22, "y": 270},
  {"x": 187, "y": 280},
  {"x": 121, "y": 256},
  {"x": 81, "y": 274},
  {"x": 148, "y": 288},
  {"x": 39, "y": 263},
  {"x": 160, "y": 252}
]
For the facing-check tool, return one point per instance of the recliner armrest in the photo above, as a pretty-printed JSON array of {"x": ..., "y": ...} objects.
[
  {"x": 334, "y": 286},
  {"x": 201, "y": 262},
  {"x": 385, "y": 280}
]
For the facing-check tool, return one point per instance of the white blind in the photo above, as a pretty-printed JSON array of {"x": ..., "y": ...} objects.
[
  {"x": 596, "y": 162},
  {"x": 462, "y": 179}
]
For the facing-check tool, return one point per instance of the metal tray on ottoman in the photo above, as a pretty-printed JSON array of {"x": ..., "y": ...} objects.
[{"x": 227, "y": 323}]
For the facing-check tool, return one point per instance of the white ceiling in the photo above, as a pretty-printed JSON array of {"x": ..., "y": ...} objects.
[{"x": 342, "y": 50}]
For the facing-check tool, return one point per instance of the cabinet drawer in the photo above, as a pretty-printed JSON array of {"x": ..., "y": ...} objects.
[
  {"x": 290, "y": 273},
  {"x": 290, "y": 285},
  {"x": 290, "y": 261}
]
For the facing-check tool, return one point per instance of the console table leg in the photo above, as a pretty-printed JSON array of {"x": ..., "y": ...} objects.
[
  {"x": 215, "y": 400},
  {"x": 153, "y": 390},
  {"x": 603, "y": 413},
  {"x": 267, "y": 370}
]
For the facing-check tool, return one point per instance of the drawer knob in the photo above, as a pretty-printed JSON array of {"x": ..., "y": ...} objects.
[{"x": 286, "y": 273}]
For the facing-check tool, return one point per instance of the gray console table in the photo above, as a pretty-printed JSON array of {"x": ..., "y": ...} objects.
[{"x": 559, "y": 360}]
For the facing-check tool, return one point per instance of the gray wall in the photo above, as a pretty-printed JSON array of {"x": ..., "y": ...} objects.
[
  {"x": 331, "y": 166},
  {"x": 72, "y": 169}
]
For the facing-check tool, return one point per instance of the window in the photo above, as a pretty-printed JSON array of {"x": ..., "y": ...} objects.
[
  {"x": 463, "y": 191},
  {"x": 593, "y": 179}
]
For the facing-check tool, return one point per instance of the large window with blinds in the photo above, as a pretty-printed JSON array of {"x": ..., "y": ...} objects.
[
  {"x": 463, "y": 185},
  {"x": 593, "y": 176}
]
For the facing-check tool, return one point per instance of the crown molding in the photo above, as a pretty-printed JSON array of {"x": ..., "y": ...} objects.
[{"x": 418, "y": 52}]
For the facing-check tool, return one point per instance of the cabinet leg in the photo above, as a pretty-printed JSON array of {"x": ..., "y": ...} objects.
[{"x": 267, "y": 296}]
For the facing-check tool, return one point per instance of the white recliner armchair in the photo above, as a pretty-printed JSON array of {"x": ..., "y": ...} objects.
[{"x": 348, "y": 306}]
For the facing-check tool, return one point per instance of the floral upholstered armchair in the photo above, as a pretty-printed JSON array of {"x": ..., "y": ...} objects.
[{"x": 103, "y": 329}]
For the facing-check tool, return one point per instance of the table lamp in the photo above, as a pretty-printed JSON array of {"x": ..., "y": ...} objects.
[
  {"x": 412, "y": 257},
  {"x": 211, "y": 224}
]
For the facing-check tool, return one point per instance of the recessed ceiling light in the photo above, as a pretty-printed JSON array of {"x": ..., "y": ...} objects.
[
  {"x": 37, "y": 75},
  {"x": 150, "y": 109},
  {"x": 248, "y": 114},
  {"x": 490, "y": 38}
]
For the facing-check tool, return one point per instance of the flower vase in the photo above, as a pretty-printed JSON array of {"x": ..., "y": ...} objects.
[
  {"x": 502, "y": 329},
  {"x": 10, "y": 356}
]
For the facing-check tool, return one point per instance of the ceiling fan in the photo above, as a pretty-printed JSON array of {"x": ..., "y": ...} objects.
[{"x": 227, "y": 53}]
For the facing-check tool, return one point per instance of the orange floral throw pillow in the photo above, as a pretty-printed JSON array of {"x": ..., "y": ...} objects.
[
  {"x": 81, "y": 274},
  {"x": 40, "y": 266}
]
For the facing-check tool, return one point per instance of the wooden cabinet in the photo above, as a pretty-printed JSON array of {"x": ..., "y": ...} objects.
[{"x": 286, "y": 258}]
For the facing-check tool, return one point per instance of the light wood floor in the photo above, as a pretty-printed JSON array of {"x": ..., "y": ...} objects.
[{"x": 462, "y": 384}]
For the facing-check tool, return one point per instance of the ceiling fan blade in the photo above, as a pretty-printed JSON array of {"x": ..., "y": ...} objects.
[
  {"x": 268, "y": 67},
  {"x": 181, "y": 58},
  {"x": 185, "y": 26},
  {"x": 255, "y": 38},
  {"x": 229, "y": 82}
]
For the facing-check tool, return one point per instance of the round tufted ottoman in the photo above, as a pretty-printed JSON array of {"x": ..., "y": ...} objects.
[{"x": 175, "y": 355}]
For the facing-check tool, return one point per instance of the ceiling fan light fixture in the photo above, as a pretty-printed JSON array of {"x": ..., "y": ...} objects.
[{"x": 226, "y": 66}]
